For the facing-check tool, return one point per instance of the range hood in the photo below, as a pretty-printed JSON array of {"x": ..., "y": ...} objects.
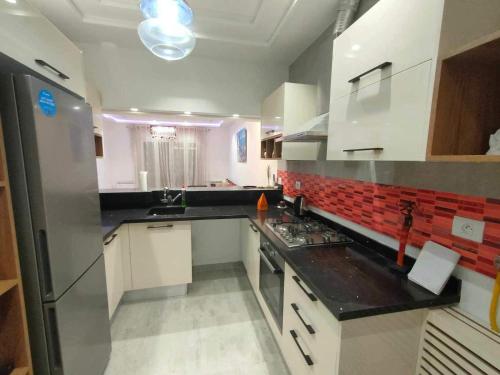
[{"x": 314, "y": 130}]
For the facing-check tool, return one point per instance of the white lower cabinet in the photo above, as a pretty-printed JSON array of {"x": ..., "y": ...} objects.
[
  {"x": 250, "y": 242},
  {"x": 160, "y": 254},
  {"x": 113, "y": 260},
  {"x": 315, "y": 342}
]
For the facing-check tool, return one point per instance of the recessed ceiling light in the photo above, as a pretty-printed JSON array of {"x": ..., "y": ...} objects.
[
  {"x": 236, "y": 115},
  {"x": 134, "y": 109},
  {"x": 76, "y": 108},
  {"x": 11, "y": 1},
  {"x": 356, "y": 47},
  {"x": 278, "y": 117},
  {"x": 188, "y": 113}
]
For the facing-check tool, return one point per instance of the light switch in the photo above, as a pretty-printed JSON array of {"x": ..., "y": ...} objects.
[
  {"x": 298, "y": 185},
  {"x": 469, "y": 229}
]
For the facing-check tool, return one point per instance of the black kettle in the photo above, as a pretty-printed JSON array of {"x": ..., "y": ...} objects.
[{"x": 299, "y": 205}]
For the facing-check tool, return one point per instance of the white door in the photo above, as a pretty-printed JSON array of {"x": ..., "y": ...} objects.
[{"x": 160, "y": 254}]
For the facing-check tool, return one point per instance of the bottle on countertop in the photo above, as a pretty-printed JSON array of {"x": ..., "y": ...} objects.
[{"x": 183, "y": 198}]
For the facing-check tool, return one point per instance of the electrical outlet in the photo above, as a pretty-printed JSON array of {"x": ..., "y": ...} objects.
[
  {"x": 298, "y": 185},
  {"x": 280, "y": 181},
  {"x": 469, "y": 229}
]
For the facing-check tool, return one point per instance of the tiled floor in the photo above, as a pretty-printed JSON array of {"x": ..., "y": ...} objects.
[{"x": 217, "y": 328}]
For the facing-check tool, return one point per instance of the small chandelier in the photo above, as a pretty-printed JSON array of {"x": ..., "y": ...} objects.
[
  {"x": 164, "y": 133},
  {"x": 165, "y": 30}
]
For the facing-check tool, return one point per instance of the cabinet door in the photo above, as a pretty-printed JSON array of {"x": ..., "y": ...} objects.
[
  {"x": 114, "y": 273},
  {"x": 404, "y": 33},
  {"x": 273, "y": 113},
  {"x": 160, "y": 254},
  {"x": 253, "y": 256},
  {"x": 392, "y": 114},
  {"x": 27, "y": 36},
  {"x": 245, "y": 243}
]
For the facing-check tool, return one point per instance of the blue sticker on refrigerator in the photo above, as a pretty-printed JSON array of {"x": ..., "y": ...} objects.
[{"x": 47, "y": 103}]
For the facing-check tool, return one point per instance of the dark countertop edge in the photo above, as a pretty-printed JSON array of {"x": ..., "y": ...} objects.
[{"x": 340, "y": 316}]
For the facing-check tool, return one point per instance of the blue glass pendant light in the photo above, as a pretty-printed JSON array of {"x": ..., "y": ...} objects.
[
  {"x": 169, "y": 10},
  {"x": 164, "y": 31}
]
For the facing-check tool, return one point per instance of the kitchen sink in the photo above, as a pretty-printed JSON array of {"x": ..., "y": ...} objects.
[{"x": 167, "y": 210}]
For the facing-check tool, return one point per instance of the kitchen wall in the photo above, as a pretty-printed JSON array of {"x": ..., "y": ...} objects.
[
  {"x": 117, "y": 170},
  {"x": 331, "y": 182},
  {"x": 136, "y": 78}
]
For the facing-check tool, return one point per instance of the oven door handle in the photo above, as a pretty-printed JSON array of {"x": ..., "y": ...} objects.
[{"x": 268, "y": 263}]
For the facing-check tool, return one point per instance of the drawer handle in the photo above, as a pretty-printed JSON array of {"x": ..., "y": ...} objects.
[
  {"x": 381, "y": 66},
  {"x": 377, "y": 149},
  {"x": 161, "y": 226},
  {"x": 311, "y": 296},
  {"x": 307, "y": 357},
  {"x": 309, "y": 327},
  {"x": 111, "y": 240},
  {"x": 49, "y": 67},
  {"x": 253, "y": 228}
]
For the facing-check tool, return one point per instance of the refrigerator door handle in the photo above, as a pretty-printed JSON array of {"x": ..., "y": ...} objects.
[
  {"x": 43, "y": 255},
  {"x": 53, "y": 344}
]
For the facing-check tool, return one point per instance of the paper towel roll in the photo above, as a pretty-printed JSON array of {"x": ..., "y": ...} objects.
[{"x": 143, "y": 180}]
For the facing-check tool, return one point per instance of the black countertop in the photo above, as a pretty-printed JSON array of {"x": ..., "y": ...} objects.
[{"x": 352, "y": 281}]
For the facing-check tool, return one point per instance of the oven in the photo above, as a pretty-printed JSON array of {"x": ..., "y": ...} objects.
[{"x": 272, "y": 279}]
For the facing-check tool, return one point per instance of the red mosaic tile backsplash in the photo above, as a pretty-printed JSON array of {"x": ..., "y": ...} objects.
[{"x": 376, "y": 207}]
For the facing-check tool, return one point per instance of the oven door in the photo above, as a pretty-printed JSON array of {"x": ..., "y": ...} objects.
[{"x": 271, "y": 283}]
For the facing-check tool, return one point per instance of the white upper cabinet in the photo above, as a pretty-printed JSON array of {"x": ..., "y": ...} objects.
[
  {"x": 27, "y": 36},
  {"x": 285, "y": 111},
  {"x": 382, "y": 82},
  {"x": 402, "y": 33}
]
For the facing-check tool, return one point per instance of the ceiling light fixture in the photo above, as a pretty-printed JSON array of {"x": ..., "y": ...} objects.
[
  {"x": 11, "y": 1},
  {"x": 187, "y": 113},
  {"x": 134, "y": 109},
  {"x": 200, "y": 124},
  {"x": 236, "y": 115},
  {"x": 165, "y": 30}
]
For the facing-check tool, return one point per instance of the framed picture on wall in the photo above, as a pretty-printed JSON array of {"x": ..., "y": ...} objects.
[{"x": 241, "y": 141}]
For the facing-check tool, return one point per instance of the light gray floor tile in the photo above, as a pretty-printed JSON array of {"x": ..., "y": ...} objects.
[{"x": 217, "y": 329}]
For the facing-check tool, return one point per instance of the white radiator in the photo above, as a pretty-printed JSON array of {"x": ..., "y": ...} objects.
[{"x": 452, "y": 343}]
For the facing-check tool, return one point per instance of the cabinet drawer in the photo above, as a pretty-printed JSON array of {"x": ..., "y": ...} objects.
[
  {"x": 316, "y": 329},
  {"x": 28, "y": 36},
  {"x": 392, "y": 115},
  {"x": 160, "y": 254},
  {"x": 404, "y": 33}
]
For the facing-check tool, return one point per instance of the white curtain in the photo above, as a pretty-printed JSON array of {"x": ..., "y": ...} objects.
[{"x": 173, "y": 163}]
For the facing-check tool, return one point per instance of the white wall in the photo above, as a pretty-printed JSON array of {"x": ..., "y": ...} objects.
[
  {"x": 116, "y": 169},
  {"x": 217, "y": 155},
  {"x": 136, "y": 78},
  {"x": 254, "y": 171}
]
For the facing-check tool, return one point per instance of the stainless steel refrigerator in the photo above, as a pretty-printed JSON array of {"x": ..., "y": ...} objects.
[{"x": 52, "y": 168}]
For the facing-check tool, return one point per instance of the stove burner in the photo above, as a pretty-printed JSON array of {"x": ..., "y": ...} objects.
[{"x": 295, "y": 232}]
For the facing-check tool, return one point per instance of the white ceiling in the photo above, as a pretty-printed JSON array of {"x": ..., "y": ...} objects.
[
  {"x": 173, "y": 119},
  {"x": 256, "y": 30}
]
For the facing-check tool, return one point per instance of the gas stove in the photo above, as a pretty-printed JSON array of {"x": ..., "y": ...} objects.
[{"x": 295, "y": 232}]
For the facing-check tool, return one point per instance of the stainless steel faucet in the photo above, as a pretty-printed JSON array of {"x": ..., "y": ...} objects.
[{"x": 167, "y": 198}]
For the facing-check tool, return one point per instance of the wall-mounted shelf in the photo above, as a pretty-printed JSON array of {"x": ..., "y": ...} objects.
[
  {"x": 6, "y": 285},
  {"x": 99, "y": 148},
  {"x": 14, "y": 344},
  {"x": 270, "y": 148},
  {"x": 467, "y": 109}
]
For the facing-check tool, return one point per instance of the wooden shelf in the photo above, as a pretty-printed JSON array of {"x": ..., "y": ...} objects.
[
  {"x": 270, "y": 149},
  {"x": 466, "y": 109},
  {"x": 6, "y": 285},
  {"x": 20, "y": 371},
  {"x": 14, "y": 342}
]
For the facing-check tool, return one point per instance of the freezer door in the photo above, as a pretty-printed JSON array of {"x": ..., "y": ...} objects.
[
  {"x": 59, "y": 154},
  {"x": 77, "y": 326}
]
